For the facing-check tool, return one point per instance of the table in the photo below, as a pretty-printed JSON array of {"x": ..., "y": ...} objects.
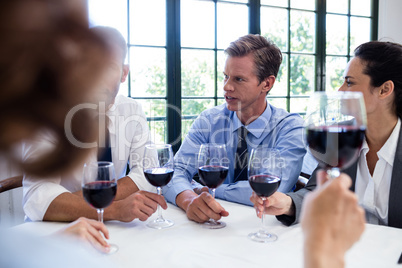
[{"x": 187, "y": 244}]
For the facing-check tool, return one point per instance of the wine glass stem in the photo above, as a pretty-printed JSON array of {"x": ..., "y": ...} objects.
[
  {"x": 100, "y": 214},
  {"x": 213, "y": 196},
  {"x": 159, "y": 192},
  {"x": 262, "y": 230},
  {"x": 333, "y": 173}
]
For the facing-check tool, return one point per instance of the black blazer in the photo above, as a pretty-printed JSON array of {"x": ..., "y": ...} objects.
[{"x": 395, "y": 194}]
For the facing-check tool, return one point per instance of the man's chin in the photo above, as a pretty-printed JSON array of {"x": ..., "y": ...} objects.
[{"x": 233, "y": 108}]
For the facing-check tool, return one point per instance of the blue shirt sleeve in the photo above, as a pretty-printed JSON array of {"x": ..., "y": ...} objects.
[{"x": 185, "y": 160}]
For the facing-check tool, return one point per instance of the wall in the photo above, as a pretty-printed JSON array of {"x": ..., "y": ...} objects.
[{"x": 390, "y": 21}]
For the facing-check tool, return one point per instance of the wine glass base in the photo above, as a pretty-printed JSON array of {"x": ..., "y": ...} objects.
[
  {"x": 160, "y": 224},
  {"x": 211, "y": 224},
  {"x": 263, "y": 237}
]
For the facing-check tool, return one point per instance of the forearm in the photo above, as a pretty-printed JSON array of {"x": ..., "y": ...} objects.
[
  {"x": 125, "y": 187},
  {"x": 239, "y": 192},
  {"x": 69, "y": 207}
]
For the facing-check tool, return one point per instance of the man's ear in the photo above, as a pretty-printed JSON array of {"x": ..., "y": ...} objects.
[
  {"x": 268, "y": 83},
  {"x": 126, "y": 69},
  {"x": 386, "y": 89}
]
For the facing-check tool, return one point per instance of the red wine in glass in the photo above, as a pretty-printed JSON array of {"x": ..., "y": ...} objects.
[
  {"x": 99, "y": 194},
  {"x": 264, "y": 176},
  {"x": 99, "y": 186},
  {"x": 335, "y": 127},
  {"x": 158, "y": 177},
  {"x": 158, "y": 167},
  {"x": 264, "y": 185},
  {"x": 335, "y": 146},
  {"x": 213, "y": 167},
  {"x": 213, "y": 176}
]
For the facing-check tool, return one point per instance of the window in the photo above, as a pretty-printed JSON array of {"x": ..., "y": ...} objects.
[{"x": 176, "y": 50}]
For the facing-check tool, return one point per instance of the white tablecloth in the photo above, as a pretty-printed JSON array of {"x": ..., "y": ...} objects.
[{"x": 187, "y": 244}]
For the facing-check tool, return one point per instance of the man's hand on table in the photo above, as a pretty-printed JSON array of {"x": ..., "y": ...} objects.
[
  {"x": 139, "y": 205},
  {"x": 200, "y": 208}
]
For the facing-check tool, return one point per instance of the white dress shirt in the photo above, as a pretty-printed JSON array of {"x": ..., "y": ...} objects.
[
  {"x": 129, "y": 133},
  {"x": 373, "y": 191}
]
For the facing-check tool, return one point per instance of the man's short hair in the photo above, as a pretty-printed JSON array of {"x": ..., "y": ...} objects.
[
  {"x": 267, "y": 56},
  {"x": 112, "y": 37}
]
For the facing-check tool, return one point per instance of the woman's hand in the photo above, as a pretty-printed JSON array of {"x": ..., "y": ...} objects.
[{"x": 90, "y": 231}]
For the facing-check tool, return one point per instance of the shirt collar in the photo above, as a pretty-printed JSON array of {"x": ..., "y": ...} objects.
[
  {"x": 257, "y": 127},
  {"x": 387, "y": 151}
]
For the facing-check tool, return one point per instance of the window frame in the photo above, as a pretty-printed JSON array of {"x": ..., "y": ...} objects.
[{"x": 173, "y": 58}]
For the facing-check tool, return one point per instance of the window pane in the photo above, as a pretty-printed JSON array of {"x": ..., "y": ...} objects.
[
  {"x": 302, "y": 31},
  {"x": 360, "y": 7},
  {"x": 337, "y": 34},
  {"x": 279, "y": 3},
  {"x": 221, "y": 101},
  {"x": 153, "y": 108},
  {"x": 281, "y": 84},
  {"x": 148, "y": 72},
  {"x": 158, "y": 131},
  {"x": 274, "y": 25},
  {"x": 147, "y": 28},
  {"x": 337, "y": 6},
  {"x": 303, "y": 4},
  {"x": 335, "y": 67},
  {"x": 277, "y": 102},
  {"x": 302, "y": 76},
  {"x": 195, "y": 107},
  {"x": 359, "y": 31},
  {"x": 232, "y": 23},
  {"x": 196, "y": 30},
  {"x": 298, "y": 105},
  {"x": 221, "y": 66},
  {"x": 109, "y": 13},
  {"x": 197, "y": 72}
]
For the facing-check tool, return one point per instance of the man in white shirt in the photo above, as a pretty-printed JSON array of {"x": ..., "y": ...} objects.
[{"x": 60, "y": 198}]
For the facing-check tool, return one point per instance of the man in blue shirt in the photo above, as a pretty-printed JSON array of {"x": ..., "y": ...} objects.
[{"x": 251, "y": 68}]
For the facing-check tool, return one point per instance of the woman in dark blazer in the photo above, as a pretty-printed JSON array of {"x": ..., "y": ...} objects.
[{"x": 376, "y": 71}]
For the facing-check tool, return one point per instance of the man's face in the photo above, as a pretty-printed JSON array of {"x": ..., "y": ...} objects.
[
  {"x": 243, "y": 92},
  {"x": 116, "y": 73}
]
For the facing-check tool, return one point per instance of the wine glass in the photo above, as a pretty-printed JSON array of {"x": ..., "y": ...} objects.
[
  {"x": 158, "y": 166},
  {"x": 264, "y": 175},
  {"x": 335, "y": 127},
  {"x": 213, "y": 167},
  {"x": 99, "y": 186}
]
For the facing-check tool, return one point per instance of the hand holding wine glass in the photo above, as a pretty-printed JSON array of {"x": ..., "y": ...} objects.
[
  {"x": 213, "y": 167},
  {"x": 335, "y": 128},
  {"x": 99, "y": 186},
  {"x": 264, "y": 175},
  {"x": 158, "y": 166}
]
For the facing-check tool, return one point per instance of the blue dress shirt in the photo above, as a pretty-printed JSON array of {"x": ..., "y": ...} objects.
[{"x": 275, "y": 128}]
